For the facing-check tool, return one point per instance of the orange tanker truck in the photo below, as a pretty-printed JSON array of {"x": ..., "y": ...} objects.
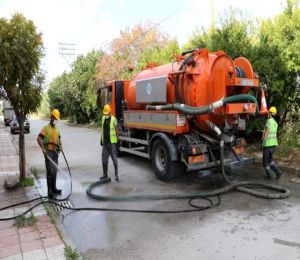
[{"x": 186, "y": 115}]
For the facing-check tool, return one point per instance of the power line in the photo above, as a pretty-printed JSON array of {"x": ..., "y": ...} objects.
[
  {"x": 156, "y": 25},
  {"x": 67, "y": 51}
]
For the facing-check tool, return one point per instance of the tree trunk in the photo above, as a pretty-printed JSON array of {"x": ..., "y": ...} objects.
[
  {"x": 22, "y": 162},
  {"x": 282, "y": 121}
]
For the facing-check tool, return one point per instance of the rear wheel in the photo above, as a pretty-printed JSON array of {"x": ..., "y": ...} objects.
[{"x": 164, "y": 168}]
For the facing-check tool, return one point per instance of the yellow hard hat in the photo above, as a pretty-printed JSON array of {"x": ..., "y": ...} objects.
[
  {"x": 56, "y": 114},
  {"x": 273, "y": 110},
  {"x": 106, "y": 109}
]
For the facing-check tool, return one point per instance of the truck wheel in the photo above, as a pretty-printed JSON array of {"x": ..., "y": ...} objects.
[{"x": 164, "y": 168}]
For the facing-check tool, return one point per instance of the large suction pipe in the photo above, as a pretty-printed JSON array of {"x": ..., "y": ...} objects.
[
  {"x": 245, "y": 185},
  {"x": 206, "y": 109}
]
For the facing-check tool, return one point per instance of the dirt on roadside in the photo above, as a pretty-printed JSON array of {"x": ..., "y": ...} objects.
[{"x": 294, "y": 157}]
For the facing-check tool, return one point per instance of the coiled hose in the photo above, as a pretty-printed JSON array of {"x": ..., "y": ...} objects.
[
  {"x": 245, "y": 185},
  {"x": 239, "y": 186}
]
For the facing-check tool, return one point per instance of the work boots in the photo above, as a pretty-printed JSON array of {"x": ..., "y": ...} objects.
[
  {"x": 116, "y": 173},
  {"x": 105, "y": 168},
  {"x": 277, "y": 171},
  {"x": 54, "y": 189},
  {"x": 268, "y": 174},
  {"x": 49, "y": 187},
  {"x": 274, "y": 167}
]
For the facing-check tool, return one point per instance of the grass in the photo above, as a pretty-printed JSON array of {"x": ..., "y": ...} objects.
[
  {"x": 34, "y": 171},
  {"x": 27, "y": 182},
  {"x": 289, "y": 140},
  {"x": 23, "y": 221},
  {"x": 71, "y": 254}
]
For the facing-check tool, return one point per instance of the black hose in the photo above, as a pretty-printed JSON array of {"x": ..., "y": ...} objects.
[
  {"x": 240, "y": 186},
  {"x": 244, "y": 186},
  {"x": 46, "y": 200},
  {"x": 42, "y": 199}
]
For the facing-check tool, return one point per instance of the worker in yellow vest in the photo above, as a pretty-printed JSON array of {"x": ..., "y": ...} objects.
[
  {"x": 108, "y": 141},
  {"x": 269, "y": 142},
  {"x": 49, "y": 140}
]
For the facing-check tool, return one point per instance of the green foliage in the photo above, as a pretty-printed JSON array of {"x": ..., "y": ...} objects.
[
  {"x": 273, "y": 50},
  {"x": 71, "y": 254},
  {"x": 20, "y": 75},
  {"x": 276, "y": 58},
  {"x": 44, "y": 108},
  {"x": 289, "y": 140},
  {"x": 21, "y": 51},
  {"x": 34, "y": 171},
  {"x": 234, "y": 35},
  {"x": 74, "y": 93},
  {"x": 133, "y": 50},
  {"x": 26, "y": 182},
  {"x": 158, "y": 55},
  {"x": 23, "y": 221}
]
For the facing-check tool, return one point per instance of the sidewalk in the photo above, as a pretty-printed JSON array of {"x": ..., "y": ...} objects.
[{"x": 40, "y": 241}]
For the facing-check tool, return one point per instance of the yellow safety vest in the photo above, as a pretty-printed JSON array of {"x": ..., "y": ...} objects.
[
  {"x": 51, "y": 137},
  {"x": 112, "y": 130},
  {"x": 272, "y": 136}
]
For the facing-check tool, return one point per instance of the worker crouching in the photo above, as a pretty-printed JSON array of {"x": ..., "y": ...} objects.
[
  {"x": 49, "y": 140},
  {"x": 109, "y": 140},
  {"x": 269, "y": 142}
]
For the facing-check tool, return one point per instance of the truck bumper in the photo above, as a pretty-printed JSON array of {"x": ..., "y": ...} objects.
[{"x": 229, "y": 163}]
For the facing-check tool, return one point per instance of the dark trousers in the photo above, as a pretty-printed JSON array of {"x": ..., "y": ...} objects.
[
  {"x": 109, "y": 149},
  {"x": 268, "y": 161},
  {"x": 50, "y": 167},
  {"x": 51, "y": 171}
]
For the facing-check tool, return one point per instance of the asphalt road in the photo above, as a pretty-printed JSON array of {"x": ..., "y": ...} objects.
[{"x": 242, "y": 227}]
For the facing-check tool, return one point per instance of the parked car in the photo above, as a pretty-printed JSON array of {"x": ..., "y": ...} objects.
[
  {"x": 8, "y": 112},
  {"x": 14, "y": 125}
]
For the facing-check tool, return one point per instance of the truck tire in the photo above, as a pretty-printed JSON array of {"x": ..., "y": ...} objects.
[{"x": 164, "y": 168}]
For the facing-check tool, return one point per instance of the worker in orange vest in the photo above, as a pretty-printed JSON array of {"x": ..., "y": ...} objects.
[{"x": 49, "y": 140}]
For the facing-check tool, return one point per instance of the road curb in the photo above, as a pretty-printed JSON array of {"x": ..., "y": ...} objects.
[
  {"x": 14, "y": 143},
  {"x": 294, "y": 169}
]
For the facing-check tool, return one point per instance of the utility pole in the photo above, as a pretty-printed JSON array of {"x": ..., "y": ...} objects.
[
  {"x": 67, "y": 51},
  {"x": 212, "y": 15}
]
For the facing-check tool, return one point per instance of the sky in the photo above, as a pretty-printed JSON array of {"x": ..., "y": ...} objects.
[{"x": 93, "y": 24}]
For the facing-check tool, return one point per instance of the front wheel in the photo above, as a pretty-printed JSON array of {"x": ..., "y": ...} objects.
[{"x": 164, "y": 168}]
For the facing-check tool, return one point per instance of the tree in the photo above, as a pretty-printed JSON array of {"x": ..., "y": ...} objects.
[
  {"x": 74, "y": 93},
  {"x": 57, "y": 93},
  {"x": 130, "y": 52},
  {"x": 273, "y": 49},
  {"x": 278, "y": 58},
  {"x": 234, "y": 35},
  {"x": 21, "y": 49}
]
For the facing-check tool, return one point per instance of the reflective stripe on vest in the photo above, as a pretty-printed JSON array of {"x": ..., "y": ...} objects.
[
  {"x": 272, "y": 136},
  {"x": 47, "y": 137},
  {"x": 112, "y": 130}
]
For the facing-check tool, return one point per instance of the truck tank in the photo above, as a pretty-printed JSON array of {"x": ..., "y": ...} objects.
[{"x": 197, "y": 80}]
